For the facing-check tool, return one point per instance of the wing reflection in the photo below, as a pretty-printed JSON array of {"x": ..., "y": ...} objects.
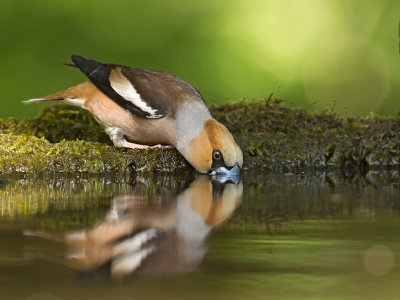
[{"x": 145, "y": 234}]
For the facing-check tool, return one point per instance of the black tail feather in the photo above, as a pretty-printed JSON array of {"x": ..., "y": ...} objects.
[
  {"x": 79, "y": 61},
  {"x": 87, "y": 66},
  {"x": 70, "y": 65}
]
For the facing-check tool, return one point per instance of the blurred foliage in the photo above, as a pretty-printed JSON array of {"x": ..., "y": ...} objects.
[{"x": 316, "y": 54}]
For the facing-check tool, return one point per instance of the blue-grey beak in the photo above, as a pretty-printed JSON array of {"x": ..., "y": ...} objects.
[{"x": 234, "y": 171}]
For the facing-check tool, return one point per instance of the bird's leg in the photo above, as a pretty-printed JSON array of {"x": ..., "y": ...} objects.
[{"x": 117, "y": 136}]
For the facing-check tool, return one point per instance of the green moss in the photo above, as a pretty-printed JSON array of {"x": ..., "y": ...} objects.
[
  {"x": 272, "y": 136},
  {"x": 69, "y": 123},
  {"x": 57, "y": 123},
  {"x": 279, "y": 138},
  {"x": 30, "y": 154},
  {"x": 68, "y": 140}
]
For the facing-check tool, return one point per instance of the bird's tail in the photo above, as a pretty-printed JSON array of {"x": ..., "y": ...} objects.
[
  {"x": 90, "y": 67},
  {"x": 75, "y": 95},
  {"x": 57, "y": 96}
]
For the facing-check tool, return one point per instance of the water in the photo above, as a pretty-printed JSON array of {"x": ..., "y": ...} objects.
[{"x": 267, "y": 236}]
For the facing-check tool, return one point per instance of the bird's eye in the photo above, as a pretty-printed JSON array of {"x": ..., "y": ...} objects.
[{"x": 217, "y": 155}]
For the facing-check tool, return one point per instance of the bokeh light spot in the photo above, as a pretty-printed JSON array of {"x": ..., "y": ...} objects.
[
  {"x": 378, "y": 260},
  {"x": 278, "y": 34}
]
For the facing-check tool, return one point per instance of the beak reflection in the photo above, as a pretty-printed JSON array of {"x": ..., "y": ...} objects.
[
  {"x": 230, "y": 172},
  {"x": 151, "y": 234}
]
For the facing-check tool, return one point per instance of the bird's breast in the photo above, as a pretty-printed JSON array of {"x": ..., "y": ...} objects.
[{"x": 136, "y": 129}]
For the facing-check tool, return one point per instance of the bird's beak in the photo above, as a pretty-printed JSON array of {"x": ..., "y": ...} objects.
[{"x": 228, "y": 172}]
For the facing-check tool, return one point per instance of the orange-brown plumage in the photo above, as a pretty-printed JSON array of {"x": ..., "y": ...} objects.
[
  {"x": 85, "y": 90},
  {"x": 221, "y": 138},
  {"x": 214, "y": 136}
]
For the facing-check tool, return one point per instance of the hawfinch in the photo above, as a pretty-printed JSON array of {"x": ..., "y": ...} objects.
[{"x": 153, "y": 108}]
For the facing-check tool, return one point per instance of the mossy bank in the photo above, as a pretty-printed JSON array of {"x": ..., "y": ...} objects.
[{"x": 272, "y": 136}]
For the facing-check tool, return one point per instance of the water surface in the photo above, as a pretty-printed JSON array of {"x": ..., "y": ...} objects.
[{"x": 176, "y": 236}]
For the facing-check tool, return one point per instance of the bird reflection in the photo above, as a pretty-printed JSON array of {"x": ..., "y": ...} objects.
[{"x": 144, "y": 235}]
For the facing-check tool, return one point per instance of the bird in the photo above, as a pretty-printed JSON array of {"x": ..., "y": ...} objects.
[{"x": 142, "y": 108}]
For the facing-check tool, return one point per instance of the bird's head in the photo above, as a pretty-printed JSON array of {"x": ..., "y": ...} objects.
[{"x": 215, "y": 151}]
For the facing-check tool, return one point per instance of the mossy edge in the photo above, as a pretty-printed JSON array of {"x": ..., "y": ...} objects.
[{"x": 273, "y": 137}]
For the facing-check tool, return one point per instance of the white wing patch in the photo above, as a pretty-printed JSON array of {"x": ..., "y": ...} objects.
[
  {"x": 75, "y": 102},
  {"x": 126, "y": 90}
]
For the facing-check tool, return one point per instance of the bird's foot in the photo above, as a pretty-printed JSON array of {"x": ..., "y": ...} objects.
[
  {"x": 162, "y": 146},
  {"x": 138, "y": 146},
  {"x": 126, "y": 144}
]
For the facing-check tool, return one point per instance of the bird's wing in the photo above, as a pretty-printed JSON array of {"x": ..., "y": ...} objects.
[{"x": 144, "y": 93}]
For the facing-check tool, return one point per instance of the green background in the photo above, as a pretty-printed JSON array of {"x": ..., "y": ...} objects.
[{"x": 316, "y": 54}]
